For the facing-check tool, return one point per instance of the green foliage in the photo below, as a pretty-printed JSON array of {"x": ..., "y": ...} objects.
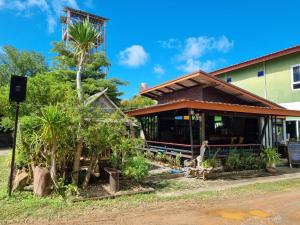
[
  {"x": 71, "y": 190},
  {"x": 210, "y": 162},
  {"x": 159, "y": 156},
  {"x": 136, "y": 167},
  {"x": 83, "y": 37},
  {"x": 137, "y": 102},
  {"x": 21, "y": 63},
  {"x": 233, "y": 161},
  {"x": 149, "y": 155},
  {"x": 251, "y": 162},
  {"x": 271, "y": 156},
  {"x": 178, "y": 160}
]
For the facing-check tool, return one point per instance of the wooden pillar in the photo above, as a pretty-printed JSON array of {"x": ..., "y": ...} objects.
[
  {"x": 202, "y": 127},
  {"x": 191, "y": 132}
]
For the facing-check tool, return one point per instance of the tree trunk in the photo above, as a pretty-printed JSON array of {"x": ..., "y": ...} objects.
[
  {"x": 76, "y": 163},
  {"x": 78, "y": 78},
  {"x": 53, "y": 163},
  {"x": 89, "y": 172}
]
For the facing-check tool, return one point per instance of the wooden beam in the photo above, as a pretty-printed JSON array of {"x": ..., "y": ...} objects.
[
  {"x": 181, "y": 85},
  {"x": 171, "y": 89},
  {"x": 196, "y": 82}
]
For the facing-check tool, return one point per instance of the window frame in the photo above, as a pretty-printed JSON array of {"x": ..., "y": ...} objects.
[{"x": 292, "y": 78}]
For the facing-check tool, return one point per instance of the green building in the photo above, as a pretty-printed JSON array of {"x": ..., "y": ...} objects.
[{"x": 275, "y": 77}]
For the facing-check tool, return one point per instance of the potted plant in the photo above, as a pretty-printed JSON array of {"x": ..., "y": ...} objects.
[{"x": 271, "y": 157}]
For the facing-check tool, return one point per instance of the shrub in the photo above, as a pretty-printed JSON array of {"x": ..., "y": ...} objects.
[
  {"x": 136, "y": 168},
  {"x": 72, "y": 190},
  {"x": 271, "y": 157},
  {"x": 171, "y": 160},
  {"x": 158, "y": 156},
  {"x": 178, "y": 160},
  {"x": 210, "y": 162},
  {"x": 149, "y": 155},
  {"x": 233, "y": 161}
]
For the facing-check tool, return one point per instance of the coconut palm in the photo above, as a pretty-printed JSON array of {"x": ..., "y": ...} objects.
[{"x": 83, "y": 37}]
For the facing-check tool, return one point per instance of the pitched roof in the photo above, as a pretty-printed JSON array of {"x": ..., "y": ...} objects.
[
  {"x": 215, "y": 106},
  {"x": 202, "y": 78},
  {"x": 254, "y": 61}
]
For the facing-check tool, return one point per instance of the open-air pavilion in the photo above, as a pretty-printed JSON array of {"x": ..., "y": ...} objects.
[{"x": 199, "y": 107}]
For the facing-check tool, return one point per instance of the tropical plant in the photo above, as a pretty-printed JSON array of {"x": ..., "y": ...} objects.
[
  {"x": 136, "y": 167},
  {"x": 271, "y": 156},
  {"x": 149, "y": 155},
  {"x": 178, "y": 160},
  {"x": 233, "y": 161},
  {"x": 83, "y": 37},
  {"x": 210, "y": 163},
  {"x": 52, "y": 124}
]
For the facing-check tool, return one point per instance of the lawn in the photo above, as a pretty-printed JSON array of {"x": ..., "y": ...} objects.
[{"x": 24, "y": 206}]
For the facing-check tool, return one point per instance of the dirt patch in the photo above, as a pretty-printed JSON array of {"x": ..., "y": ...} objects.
[{"x": 276, "y": 208}]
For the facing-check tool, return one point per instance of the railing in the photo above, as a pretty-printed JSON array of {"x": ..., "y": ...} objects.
[
  {"x": 185, "y": 150},
  {"x": 222, "y": 151},
  {"x": 171, "y": 148}
]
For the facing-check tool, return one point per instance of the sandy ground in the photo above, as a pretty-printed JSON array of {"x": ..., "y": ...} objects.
[
  {"x": 4, "y": 151},
  {"x": 276, "y": 208}
]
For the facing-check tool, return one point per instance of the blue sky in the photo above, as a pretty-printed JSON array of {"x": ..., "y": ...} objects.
[{"x": 158, "y": 40}]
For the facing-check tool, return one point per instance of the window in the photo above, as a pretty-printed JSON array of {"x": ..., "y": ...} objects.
[
  {"x": 295, "y": 77},
  {"x": 228, "y": 79},
  {"x": 260, "y": 73}
]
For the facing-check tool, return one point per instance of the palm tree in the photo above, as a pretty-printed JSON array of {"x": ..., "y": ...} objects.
[{"x": 83, "y": 37}]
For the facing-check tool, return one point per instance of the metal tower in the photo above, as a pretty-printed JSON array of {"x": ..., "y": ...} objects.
[{"x": 72, "y": 16}]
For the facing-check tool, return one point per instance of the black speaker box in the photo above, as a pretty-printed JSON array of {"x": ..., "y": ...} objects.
[{"x": 17, "y": 89}]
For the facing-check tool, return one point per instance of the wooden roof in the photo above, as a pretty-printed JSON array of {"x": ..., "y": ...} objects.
[
  {"x": 261, "y": 59},
  {"x": 206, "y": 80},
  {"x": 214, "y": 106}
]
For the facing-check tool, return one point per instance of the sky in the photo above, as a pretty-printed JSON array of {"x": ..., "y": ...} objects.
[{"x": 153, "y": 41}]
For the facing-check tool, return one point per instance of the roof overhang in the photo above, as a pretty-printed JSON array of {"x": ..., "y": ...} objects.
[
  {"x": 206, "y": 80},
  {"x": 261, "y": 59},
  {"x": 214, "y": 106}
]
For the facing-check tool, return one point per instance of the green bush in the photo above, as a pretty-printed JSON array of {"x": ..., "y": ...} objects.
[
  {"x": 158, "y": 156},
  {"x": 136, "y": 168},
  {"x": 178, "y": 160},
  {"x": 210, "y": 162},
  {"x": 233, "y": 161},
  {"x": 271, "y": 157},
  {"x": 149, "y": 155}
]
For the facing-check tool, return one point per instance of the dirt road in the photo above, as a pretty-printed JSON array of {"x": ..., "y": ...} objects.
[{"x": 276, "y": 208}]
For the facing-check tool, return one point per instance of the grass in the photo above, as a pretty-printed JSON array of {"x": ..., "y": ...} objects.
[{"x": 24, "y": 206}]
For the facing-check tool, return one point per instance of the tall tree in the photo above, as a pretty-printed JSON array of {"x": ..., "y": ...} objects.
[
  {"x": 83, "y": 37},
  {"x": 22, "y": 63}
]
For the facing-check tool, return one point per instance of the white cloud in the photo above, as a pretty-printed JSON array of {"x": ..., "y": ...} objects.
[
  {"x": 158, "y": 69},
  {"x": 52, "y": 8},
  {"x": 193, "y": 49},
  {"x": 191, "y": 65},
  {"x": 133, "y": 56},
  {"x": 170, "y": 43}
]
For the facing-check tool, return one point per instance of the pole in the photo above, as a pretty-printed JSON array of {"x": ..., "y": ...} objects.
[
  {"x": 12, "y": 166},
  {"x": 191, "y": 133}
]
